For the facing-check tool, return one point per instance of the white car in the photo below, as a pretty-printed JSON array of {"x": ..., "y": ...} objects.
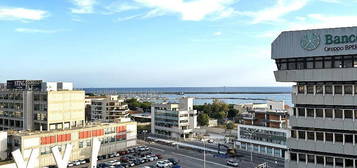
[{"x": 162, "y": 164}]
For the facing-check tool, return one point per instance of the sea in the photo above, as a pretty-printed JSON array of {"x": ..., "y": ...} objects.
[{"x": 202, "y": 95}]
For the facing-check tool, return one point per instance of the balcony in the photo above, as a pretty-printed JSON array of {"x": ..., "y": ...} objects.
[
  {"x": 324, "y": 123},
  {"x": 321, "y": 146},
  {"x": 337, "y": 74}
]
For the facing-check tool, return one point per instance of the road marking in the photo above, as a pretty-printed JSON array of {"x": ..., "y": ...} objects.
[
  {"x": 157, "y": 149},
  {"x": 202, "y": 160}
]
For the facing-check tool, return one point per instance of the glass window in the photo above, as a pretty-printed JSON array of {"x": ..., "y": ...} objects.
[
  {"x": 310, "y": 112},
  {"x": 293, "y": 156},
  {"x": 348, "y": 138},
  {"x": 327, "y": 62},
  {"x": 301, "y": 89},
  {"x": 338, "y": 137},
  {"x": 301, "y": 112},
  {"x": 319, "y": 89},
  {"x": 338, "y": 113},
  {"x": 301, "y": 134},
  {"x": 319, "y": 113},
  {"x": 319, "y": 159},
  {"x": 318, "y": 63},
  {"x": 348, "y": 89},
  {"x": 339, "y": 162},
  {"x": 310, "y": 136},
  {"x": 328, "y": 113},
  {"x": 349, "y": 163},
  {"x": 319, "y": 136},
  {"x": 302, "y": 157},
  {"x": 329, "y": 136},
  {"x": 311, "y": 158},
  {"x": 338, "y": 89},
  {"x": 310, "y": 89},
  {"x": 329, "y": 160},
  {"x": 328, "y": 89},
  {"x": 348, "y": 114}
]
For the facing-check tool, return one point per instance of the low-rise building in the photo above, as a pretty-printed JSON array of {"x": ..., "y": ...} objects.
[
  {"x": 108, "y": 108},
  {"x": 176, "y": 120},
  {"x": 113, "y": 136},
  {"x": 37, "y": 105}
]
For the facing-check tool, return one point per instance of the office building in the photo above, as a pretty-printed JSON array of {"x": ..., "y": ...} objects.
[
  {"x": 113, "y": 137},
  {"x": 37, "y": 105},
  {"x": 323, "y": 65},
  {"x": 108, "y": 108},
  {"x": 176, "y": 120}
]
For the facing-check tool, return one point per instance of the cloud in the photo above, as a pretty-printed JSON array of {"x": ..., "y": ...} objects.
[
  {"x": 194, "y": 10},
  {"x": 217, "y": 33},
  {"x": 83, "y": 6},
  {"x": 30, "y": 30},
  {"x": 21, "y": 14},
  {"x": 275, "y": 13}
]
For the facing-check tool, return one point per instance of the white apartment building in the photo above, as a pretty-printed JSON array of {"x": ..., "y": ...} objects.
[
  {"x": 37, "y": 105},
  {"x": 108, "y": 108},
  {"x": 176, "y": 120},
  {"x": 322, "y": 63}
]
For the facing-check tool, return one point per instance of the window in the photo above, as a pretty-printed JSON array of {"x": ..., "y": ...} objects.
[
  {"x": 348, "y": 89},
  {"x": 348, "y": 114},
  {"x": 301, "y": 112},
  {"x": 328, "y": 89},
  {"x": 319, "y": 159},
  {"x": 310, "y": 112},
  {"x": 311, "y": 158},
  {"x": 310, "y": 136},
  {"x": 301, "y": 134},
  {"x": 319, "y": 113},
  {"x": 302, "y": 157},
  {"x": 329, "y": 137},
  {"x": 327, "y": 62},
  {"x": 348, "y": 138},
  {"x": 293, "y": 156},
  {"x": 328, "y": 113},
  {"x": 338, "y": 137},
  {"x": 301, "y": 89},
  {"x": 319, "y": 89},
  {"x": 338, "y": 113},
  {"x": 310, "y": 89},
  {"x": 329, "y": 161},
  {"x": 338, "y": 89},
  {"x": 319, "y": 136},
  {"x": 339, "y": 162}
]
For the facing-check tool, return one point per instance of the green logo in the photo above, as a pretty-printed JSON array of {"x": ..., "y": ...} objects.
[{"x": 310, "y": 41}]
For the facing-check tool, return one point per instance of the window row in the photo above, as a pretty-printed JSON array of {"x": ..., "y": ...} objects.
[
  {"x": 317, "y": 63},
  {"x": 324, "y": 136},
  {"x": 334, "y": 89},
  {"x": 325, "y": 113},
  {"x": 323, "y": 160}
]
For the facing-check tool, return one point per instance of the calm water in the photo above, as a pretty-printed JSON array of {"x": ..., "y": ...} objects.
[{"x": 152, "y": 94}]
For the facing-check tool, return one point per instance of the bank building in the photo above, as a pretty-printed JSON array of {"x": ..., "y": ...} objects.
[{"x": 322, "y": 64}]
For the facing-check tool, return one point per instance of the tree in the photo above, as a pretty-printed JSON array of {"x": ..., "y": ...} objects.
[
  {"x": 229, "y": 125},
  {"x": 203, "y": 119},
  {"x": 232, "y": 113}
]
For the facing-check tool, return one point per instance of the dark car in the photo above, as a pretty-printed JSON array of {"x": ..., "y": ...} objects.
[{"x": 173, "y": 161}]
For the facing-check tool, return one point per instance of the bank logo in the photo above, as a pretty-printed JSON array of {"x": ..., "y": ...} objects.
[{"x": 310, "y": 41}]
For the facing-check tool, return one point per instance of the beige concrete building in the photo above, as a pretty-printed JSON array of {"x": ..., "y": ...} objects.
[
  {"x": 37, "y": 105},
  {"x": 114, "y": 137}
]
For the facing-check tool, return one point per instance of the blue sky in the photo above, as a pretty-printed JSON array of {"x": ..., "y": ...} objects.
[{"x": 155, "y": 43}]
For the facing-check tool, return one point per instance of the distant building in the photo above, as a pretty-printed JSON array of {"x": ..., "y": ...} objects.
[
  {"x": 37, "y": 105},
  {"x": 113, "y": 137},
  {"x": 264, "y": 129},
  {"x": 3, "y": 145},
  {"x": 176, "y": 120},
  {"x": 108, "y": 108}
]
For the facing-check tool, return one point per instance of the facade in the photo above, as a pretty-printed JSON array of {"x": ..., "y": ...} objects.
[
  {"x": 108, "y": 108},
  {"x": 263, "y": 140},
  {"x": 272, "y": 114},
  {"x": 3, "y": 145},
  {"x": 176, "y": 120},
  {"x": 114, "y": 137},
  {"x": 322, "y": 63},
  {"x": 37, "y": 105}
]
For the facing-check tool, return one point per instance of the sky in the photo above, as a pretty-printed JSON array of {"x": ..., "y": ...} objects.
[{"x": 155, "y": 43}]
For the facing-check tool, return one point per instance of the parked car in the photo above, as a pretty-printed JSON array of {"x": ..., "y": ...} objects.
[{"x": 233, "y": 163}]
